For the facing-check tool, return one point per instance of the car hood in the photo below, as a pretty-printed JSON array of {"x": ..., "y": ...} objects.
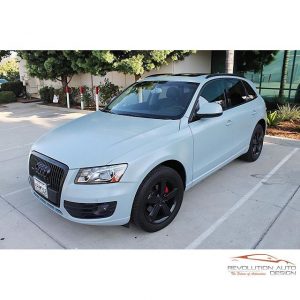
[{"x": 99, "y": 138}]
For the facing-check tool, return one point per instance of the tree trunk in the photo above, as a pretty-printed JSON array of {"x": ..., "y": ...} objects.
[
  {"x": 283, "y": 74},
  {"x": 229, "y": 62},
  {"x": 137, "y": 77},
  {"x": 64, "y": 82}
]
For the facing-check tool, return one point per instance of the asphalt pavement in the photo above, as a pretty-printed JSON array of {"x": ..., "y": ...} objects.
[{"x": 243, "y": 205}]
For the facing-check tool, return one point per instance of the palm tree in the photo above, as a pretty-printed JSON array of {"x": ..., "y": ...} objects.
[
  {"x": 283, "y": 74},
  {"x": 229, "y": 62}
]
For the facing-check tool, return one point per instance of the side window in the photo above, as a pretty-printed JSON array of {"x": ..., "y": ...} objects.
[
  {"x": 235, "y": 92},
  {"x": 251, "y": 94},
  {"x": 213, "y": 91}
]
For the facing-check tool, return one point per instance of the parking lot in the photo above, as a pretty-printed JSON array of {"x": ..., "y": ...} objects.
[{"x": 242, "y": 205}]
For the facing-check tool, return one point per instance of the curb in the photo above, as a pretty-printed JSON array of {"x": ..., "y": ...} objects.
[{"x": 282, "y": 141}]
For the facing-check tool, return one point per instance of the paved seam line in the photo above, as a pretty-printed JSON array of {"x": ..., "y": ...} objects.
[
  {"x": 16, "y": 127},
  {"x": 275, "y": 219},
  {"x": 16, "y": 191},
  {"x": 12, "y": 158},
  {"x": 16, "y": 147},
  {"x": 39, "y": 227},
  {"x": 198, "y": 241}
]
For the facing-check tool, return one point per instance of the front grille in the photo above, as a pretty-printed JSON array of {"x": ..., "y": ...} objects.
[{"x": 50, "y": 171}]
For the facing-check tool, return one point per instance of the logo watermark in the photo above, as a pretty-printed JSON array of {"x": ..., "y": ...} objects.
[{"x": 260, "y": 265}]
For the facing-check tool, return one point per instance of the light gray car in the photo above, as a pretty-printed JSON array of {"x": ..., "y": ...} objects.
[{"x": 135, "y": 159}]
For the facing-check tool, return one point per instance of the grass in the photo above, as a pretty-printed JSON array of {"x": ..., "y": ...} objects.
[{"x": 288, "y": 112}]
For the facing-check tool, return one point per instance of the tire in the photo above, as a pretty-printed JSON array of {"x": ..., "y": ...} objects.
[
  {"x": 158, "y": 199},
  {"x": 256, "y": 144}
]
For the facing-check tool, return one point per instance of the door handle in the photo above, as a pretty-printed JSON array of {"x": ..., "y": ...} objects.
[
  {"x": 229, "y": 122},
  {"x": 254, "y": 112}
]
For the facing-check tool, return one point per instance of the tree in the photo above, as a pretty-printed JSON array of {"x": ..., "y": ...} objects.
[
  {"x": 229, "y": 61},
  {"x": 4, "y": 53},
  {"x": 283, "y": 74},
  {"x": 54, "y": 65},
  {"x": 9, "y": 69},
  {"x": 253, "y": 60},
  {"x": 138, "y": 62},
  {"x": 135, "y": 62},
  {"x": 61, "y": 65},
  {"x": 94, "y": 62}
]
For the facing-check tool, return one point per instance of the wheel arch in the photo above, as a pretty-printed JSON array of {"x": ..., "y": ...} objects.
[
  {"x": 262, "y": 122},
  {"x": 177, "y": 166}
]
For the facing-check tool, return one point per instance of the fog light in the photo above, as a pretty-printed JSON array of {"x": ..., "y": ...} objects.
[
  {"x": 90, "y": 210},
  {"x": 102, "y": 209}
]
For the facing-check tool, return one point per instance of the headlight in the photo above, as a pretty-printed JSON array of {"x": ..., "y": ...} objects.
[{"x": 107, "y": 174}]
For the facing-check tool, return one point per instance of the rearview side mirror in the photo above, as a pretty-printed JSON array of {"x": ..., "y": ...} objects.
[{"x": 209, "y": 110}]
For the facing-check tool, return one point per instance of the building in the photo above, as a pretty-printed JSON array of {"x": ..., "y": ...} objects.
[
  {"x": 198, "y": 62},
  {"x": 267, "y": 80}
]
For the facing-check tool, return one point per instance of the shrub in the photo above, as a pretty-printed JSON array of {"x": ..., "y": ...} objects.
[
  {"x": 288, "y": 113},
  {"x": 272, "y": 118},
  {"x": 74, "y": 96},
  {"x": 7, "y": 96},
  {"x": 271, "y": 105},
  {"x": 87, "y": 97},
  {"x": 62, "y": 99},
  {"x": 13, "y": 86},
  {"x": 46, "y": 94},
  {"x": 9, "y": 69},
  {"x": 108, "y": 90}
]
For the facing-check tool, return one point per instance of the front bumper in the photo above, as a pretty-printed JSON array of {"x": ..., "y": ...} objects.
[{"x": 122, "y": 193}]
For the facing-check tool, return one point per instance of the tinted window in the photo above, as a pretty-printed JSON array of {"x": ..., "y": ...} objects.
[
  {"x": 235, "y": 92},
  {"x": 213, "y": 91},
  {"x": 251, "y": 94}
]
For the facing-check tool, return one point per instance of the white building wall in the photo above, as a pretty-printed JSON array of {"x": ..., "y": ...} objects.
[{"x": 199, "y": 62}]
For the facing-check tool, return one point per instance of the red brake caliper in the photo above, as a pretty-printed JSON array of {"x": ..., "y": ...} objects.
[{"x": 166, "y": 191}]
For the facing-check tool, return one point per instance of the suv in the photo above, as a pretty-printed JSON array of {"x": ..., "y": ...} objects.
[{"x": 134, "y": 159}]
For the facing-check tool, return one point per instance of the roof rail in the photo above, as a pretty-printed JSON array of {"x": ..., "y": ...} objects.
[
  {"x": 223, "y": 74},
  {"x": 167, "y": 74},
  {"x": 190, "y": 74},
  {"x": 178, "y": 74}
]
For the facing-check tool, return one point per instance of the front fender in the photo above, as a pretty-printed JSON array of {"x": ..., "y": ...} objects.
[{"x": 143, "y": 159}]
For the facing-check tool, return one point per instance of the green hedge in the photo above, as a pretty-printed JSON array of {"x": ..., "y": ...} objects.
[
  {"x": 108, "y": 90},
  {"x": 13, "y": 86},
  {"x": 46, "y": 94},
  {"x": 7, "y": 96}
]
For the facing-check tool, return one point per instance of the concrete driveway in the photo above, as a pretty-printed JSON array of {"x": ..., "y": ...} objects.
[{"x": 243, "y": 205}]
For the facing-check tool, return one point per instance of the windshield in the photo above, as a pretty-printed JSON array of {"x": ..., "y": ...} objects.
[{"x": 154, "y": 99}]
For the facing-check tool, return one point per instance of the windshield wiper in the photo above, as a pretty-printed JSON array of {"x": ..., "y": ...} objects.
[{"x": 107, "y": 111}]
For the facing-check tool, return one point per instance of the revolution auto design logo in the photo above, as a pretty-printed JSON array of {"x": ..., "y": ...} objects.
[{"x": 260, "y": 264}]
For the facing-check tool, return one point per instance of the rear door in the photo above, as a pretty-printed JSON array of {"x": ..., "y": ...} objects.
[{"x": 240, "y": 113}]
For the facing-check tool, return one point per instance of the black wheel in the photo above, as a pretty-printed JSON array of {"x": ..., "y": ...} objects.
[
  {"x": 256, "y": 144},
  {"x": 158, "y": 199}
]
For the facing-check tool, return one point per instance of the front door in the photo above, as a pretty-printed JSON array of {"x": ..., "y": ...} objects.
[{"x": 212, "y": 136}]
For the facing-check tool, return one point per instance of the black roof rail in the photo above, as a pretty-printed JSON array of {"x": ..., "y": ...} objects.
[
  {"x": 162, "y": 74},
  {"x": 178, "y": 74},
  {"x": 223, "y": 74},
  {"x": 190, "y": 74}
]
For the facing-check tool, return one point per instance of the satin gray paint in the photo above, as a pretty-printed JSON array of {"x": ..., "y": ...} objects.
[{"x": 100, "y": 138}]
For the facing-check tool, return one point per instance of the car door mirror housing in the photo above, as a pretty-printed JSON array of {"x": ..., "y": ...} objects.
[{"x": 209, "y": 110}]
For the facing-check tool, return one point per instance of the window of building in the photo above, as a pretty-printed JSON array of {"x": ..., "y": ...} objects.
[{"x": 268, "y": 79}]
